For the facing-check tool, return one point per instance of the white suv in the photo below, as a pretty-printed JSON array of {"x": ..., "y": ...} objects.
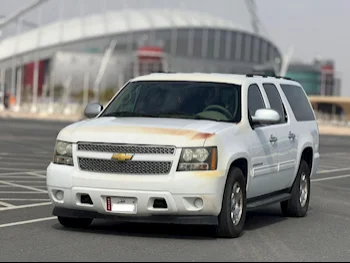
[{"x": 188, "y": 148}]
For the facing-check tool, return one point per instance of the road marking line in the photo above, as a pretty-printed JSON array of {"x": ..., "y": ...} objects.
[
  {"x": 20, "y": 192},
  {"x": 16, "y": 138},
  {"x": 12, "y": 173},
  {"x": 344, "y": 163},
  {"x": 15, "y": 177},
  {"x": 330, "y": 178},
  {"x": 333, "y": 170},
  {"x": 18, "y": 169},
  {"x": 13, "y": 187},
  {"x": 28, "y": 221},
  {"x": 37, "y": 186},
  {"x": 6, "y": 204},
  {"x": 20, "y": 158},
  {"x": 334, "y": 154},
  {"x": 25, "y": 164},
  {"x": 24, "y": 199},
  {"x": 25, "y": 206},
  {"x": 21, "y": 155},
  {"x": 327, "y": 167},
  {"x": 37, "y": 175},
  {"x": 26, "y": 181},
  {"x": 23, "y": 186}
]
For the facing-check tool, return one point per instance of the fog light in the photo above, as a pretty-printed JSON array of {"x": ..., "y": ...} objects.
[
  {"x": 198, "y": 203},
  {"x": 59, "y": 195}
]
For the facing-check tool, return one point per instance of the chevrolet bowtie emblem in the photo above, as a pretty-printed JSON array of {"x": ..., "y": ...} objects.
[{"x": 122, "y": 157}]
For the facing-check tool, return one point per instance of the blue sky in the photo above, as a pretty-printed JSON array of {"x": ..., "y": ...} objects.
[{"x": 313, "y": 27}]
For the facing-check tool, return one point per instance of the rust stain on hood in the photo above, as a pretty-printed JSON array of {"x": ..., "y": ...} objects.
[
  {"x": 190, "y": 134},
  {"x": 214, "y": 173}
]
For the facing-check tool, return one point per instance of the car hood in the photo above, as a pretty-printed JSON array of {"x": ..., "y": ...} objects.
[{"x": 156, "y": 131}]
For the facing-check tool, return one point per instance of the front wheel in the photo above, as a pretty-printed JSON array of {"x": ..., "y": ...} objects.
[
  {"x": 75, "y": 222},
  {"x": 233, "y": 213},
  {"x": 298, "y": 205}
]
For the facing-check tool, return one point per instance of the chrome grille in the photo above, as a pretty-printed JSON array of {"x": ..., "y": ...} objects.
[
  {"x": 129, "y": 167},
  {"x": 122, "y": 148}
]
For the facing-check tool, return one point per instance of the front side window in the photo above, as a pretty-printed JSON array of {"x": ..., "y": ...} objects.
[
  {"x": 178, "y": 99},
  {"x": 255, "y": 99}
]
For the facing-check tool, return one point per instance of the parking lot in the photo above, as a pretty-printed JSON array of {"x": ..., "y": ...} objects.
[{"x": 28, "y": 231}]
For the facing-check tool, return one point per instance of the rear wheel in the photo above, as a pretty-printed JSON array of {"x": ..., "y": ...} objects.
[
  {"x": 233, "y": 212},
  {"x": 298, "y": 205},
  {"x": 70, "y": 222}
]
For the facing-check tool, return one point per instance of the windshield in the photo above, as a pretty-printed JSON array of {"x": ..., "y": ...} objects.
[{"x": 178, "y": 99}]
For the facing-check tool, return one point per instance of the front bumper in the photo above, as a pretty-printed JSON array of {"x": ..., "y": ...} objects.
[
  {"x": 315, "y": 165},
  {"x": 184, "y": 220},
  {"x": 185, "y": 194}
]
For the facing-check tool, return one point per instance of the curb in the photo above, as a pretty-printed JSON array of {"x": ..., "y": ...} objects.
[
  {"x": 72, "y": 118},
  {"x": 334, "y": 130}
]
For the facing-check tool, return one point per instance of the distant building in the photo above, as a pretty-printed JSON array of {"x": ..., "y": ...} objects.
[
  {"x": 147, "y": 41},
  {"x": 317, "y": 78},
  {"x": 337, "y": 87},
  {"x": 328, "y": 84},
  {"x": 308, "y": 75}
]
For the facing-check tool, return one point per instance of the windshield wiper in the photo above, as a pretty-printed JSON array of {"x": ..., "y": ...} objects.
[
  {"x": 183, "y": 115},
  {"x": 129, "y": 114},
  {"x": 176, "y": 115},
  {"x": 197, "y": 117}
]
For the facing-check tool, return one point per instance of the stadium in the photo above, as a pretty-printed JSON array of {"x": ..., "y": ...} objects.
[{"x": 106, "y": 50}]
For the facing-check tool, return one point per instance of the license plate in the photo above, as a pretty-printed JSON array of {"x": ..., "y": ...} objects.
[{"x": 121, "y": 204}]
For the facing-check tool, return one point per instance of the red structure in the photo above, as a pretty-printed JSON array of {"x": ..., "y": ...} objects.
[
  {"x": 328, "y": 81},
  {"x": 29, "y": 76},
  {"x": 150, "y": 59}
]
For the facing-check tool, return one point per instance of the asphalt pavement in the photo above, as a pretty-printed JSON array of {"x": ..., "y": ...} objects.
[{"x": 28, "y": 232}]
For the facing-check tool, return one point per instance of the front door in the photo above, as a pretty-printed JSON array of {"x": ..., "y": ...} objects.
[{"x": 263, "y": 150}]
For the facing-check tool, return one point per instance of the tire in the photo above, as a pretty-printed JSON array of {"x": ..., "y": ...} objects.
[
  {"x": 70, "y": 222},
  {"x": 294, "y": 207},
  {"x": 226, "y": 227}
]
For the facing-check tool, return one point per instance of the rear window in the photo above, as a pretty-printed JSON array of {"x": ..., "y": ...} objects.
[{"x": 298, "y": 102}]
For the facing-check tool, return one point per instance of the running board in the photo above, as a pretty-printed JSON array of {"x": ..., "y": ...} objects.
[{"x": 268, "y": 201}]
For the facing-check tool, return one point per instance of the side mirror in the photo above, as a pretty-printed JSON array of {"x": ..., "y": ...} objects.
[
  {"x": 266, "y": 116},
  {"x": 92, "y": 110}
]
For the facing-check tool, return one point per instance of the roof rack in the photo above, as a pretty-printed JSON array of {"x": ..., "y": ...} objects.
[
  {"x": 286, "y": 78},
  {"x": 258, "y": 75},
  {"x": 267, "y": 76},
  {"x": 163, "y": 72}
]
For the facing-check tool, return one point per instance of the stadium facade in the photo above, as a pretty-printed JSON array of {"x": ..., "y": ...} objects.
[{"x": 146, "y": 41}]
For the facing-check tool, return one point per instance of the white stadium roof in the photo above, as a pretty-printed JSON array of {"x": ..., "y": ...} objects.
[{"x": 112, "y": 23}]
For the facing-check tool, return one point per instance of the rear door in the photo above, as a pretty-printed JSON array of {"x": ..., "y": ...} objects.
[{"x": 286, "y": 141}]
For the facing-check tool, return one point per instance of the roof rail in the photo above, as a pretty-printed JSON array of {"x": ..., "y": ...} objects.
[
  {"x": 258, "y": 75},
  {"x": 286, "y": 78},
  {"x": 251, "y": 75},
  {"x": 163, "y": 72}
]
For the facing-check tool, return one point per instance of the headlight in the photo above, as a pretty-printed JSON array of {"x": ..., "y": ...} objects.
[
  {"x": 198, "y": 159},
  {"x": 63, "y": 153}
]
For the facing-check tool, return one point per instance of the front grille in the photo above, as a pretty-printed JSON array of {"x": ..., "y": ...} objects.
[
  {"x": 129, "y": 167},
  {"x": 122, "y": 148}
]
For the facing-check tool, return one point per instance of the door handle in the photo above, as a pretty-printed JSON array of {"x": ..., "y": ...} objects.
[
  {"x": 273, "y": 139},
  {"x": 291, "y": 136}
]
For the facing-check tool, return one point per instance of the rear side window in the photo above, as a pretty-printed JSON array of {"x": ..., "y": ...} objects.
[
  {"x": 275, "y": 100},
  {"x": 255, "y": 99},
  {"x": 298, "y": 102}
]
